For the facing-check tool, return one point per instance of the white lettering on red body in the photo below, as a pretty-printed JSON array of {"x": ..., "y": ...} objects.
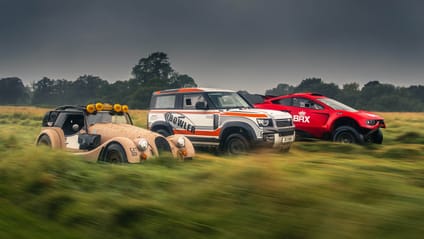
[{"x": 301, "y": 117}]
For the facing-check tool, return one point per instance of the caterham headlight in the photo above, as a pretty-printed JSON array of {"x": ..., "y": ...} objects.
[
  {"x": 180, "y": 142},
  {"x": 143, "y": 144}
]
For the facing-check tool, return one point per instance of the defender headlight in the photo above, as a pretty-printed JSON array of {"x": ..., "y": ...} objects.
[
  {"x": 180, "y": 142},
  {"x": 264, "y": 122},
  {"x": 143, "y": 144},
  {"x": 371, "y": 122}
]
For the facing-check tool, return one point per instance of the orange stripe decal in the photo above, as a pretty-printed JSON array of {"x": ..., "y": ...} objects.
[
  {"x": 180, "y": 90},
  {"x": 245, "y": 114},
  {"x": 190, "y": 90},
  {"x": 198, "y": 132},
  {"x": 185, "y": 112}
]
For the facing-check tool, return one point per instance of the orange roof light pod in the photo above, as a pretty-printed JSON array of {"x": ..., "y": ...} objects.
[
  {"x": 99, "y": 106},
  {"x": 125, "y": 108},
  {"x": 117, "y": 107},
  {"x": 91, "y": 108}
]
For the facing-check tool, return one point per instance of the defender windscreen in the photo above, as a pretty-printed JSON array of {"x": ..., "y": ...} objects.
[{"x": 227, "y": 100}]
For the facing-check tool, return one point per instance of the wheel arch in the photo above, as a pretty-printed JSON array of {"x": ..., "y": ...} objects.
[
  {"x": 56, "y": 136},
  {"x": 237, "y": 127},
  {"x": 190, "y": 151},
  {"x": 344, "y": 121},
  {"x": 162, "y": 125},
  {"x": 130, "y": 149}
]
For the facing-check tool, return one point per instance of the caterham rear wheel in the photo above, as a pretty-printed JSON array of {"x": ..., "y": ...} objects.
[{"x": 44, "y": 140}]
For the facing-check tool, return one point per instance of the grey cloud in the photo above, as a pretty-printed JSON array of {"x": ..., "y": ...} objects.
[{"x": 221, "y": 43}]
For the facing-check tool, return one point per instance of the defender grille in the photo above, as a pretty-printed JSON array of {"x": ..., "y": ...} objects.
[
  {"x": 284, "y": 123},
  {"x": 162, "y": 145}
]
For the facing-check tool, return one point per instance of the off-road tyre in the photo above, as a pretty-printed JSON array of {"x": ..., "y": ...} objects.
[
  {"x": 376, "y": 137},
  {"x": 114, "y": 153},
  {"x": 236, "y": 144},
  {"x": 163, "y": 132},
  {"x": 348, "y": 135},
  {"x": 44, "y": 140}
]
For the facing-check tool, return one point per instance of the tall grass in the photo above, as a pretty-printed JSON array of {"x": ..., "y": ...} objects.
[{"x": 317, "y": 190}]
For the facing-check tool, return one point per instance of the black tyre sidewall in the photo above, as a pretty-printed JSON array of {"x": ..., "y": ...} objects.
[
  {"x": 236, "y": 140},
  {"x": 377, "y": 137},
  {"x": 163, "y": 132},
  {"x": 113, "y": 151},
  {"x": 357, "y": 138},
  {"x": 44, "y": 140}
]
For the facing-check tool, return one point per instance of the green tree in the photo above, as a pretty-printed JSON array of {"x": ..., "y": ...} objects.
[
  {"x": 87, "y": 88},
  {"x": 316, "y": 85},
  {"x": 350, "y": 94},
  {"x": 151, "y": 74},
  {"x": 281, "y": 89},
  {"x": 12, "y": 91},
  {"x": 51, "y": 92}
]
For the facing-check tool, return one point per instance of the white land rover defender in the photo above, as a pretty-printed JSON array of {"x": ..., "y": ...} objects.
[{"x": 221, "y": 118}]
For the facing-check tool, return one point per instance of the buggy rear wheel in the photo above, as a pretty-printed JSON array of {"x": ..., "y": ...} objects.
[{"x": 44, "y": 140}]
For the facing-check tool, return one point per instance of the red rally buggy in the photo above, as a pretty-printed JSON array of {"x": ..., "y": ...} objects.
[{"x": 317, "y": 116}]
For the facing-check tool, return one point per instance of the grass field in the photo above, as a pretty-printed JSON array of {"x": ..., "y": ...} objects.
[{"x": 317, "y": 190}]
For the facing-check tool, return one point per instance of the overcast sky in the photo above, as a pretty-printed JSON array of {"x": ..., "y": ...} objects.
[{"x": 237, "y": 44}]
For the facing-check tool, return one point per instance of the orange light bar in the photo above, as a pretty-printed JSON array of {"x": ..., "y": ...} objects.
[
  {"x": 117, "y": 107},
  {"x": 99, "y": 106},
  {"x": 125, "y": 108},
  {"x": 90, "y": 108}
]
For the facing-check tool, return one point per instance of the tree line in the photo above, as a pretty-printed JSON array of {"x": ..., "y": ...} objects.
[
  {"x": 148, "y": 75},
  {"x": 154, "y": 73},
  {"x": 374, "y": 95}
]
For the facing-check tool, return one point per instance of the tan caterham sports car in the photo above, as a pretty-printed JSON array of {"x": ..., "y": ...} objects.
[{"x": 105, "y": 132}]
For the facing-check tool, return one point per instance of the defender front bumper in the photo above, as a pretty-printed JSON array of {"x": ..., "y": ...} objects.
[{"x": 278, "y": 137}]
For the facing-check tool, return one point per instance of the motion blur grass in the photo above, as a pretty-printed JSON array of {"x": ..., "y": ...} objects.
[{"x": 317, "y": 190}]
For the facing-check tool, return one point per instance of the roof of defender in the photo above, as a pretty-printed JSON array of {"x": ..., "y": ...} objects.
[{"x": 190, "y": 90}]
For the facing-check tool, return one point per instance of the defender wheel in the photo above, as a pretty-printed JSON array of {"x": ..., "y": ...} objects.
[
  {"x": 44, "y": 140},
  {"x": 114, "y": 153},
  {"x": 163, "y": 132},
  {"x": 348, "y": 135},
  {"x": 236, "y": 144}
]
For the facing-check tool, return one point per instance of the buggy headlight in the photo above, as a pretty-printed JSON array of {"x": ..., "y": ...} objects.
[
  {"x": 180, "y": 142},
  {"x": 371, "y": 122},
  {"x": 264, "y": 122},
  {"x": 143, "y": 144}
]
